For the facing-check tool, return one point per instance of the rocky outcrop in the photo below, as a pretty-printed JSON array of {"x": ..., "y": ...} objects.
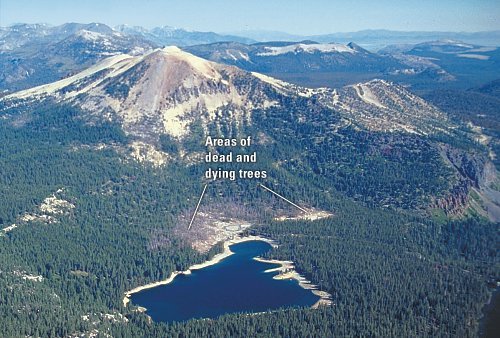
[
  {"x": 455, "y": 202},
  {"x": 474, "y": 171},
  {"x": 472, "y": 166}
]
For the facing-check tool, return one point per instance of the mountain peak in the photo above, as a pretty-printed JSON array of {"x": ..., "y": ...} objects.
[
  {"x": 172, "y": 50},
  {"x": 161, "y": 92},
  {"x": 356, "y": 47},
  {"x": 98, "y": 27},
  {"x": 89, "y": 35},
  {"x": 181, "y": 62}
]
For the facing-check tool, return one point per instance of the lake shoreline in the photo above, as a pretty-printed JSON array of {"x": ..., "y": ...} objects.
[
  {"x": 214, "y": 260},
  {"x": 286, "y": 269},
  {"x": 487, "y": 325}
]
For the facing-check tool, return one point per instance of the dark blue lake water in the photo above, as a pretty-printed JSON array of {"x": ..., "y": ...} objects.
[{"x": 236, "y": 284}]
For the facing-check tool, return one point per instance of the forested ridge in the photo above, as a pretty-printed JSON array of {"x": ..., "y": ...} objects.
[{"x": 392, "y": 271}]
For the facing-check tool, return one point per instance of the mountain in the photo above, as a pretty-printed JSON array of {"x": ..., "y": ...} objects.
[
  {"x": 102, "y": 170},
  {"x": 453, "y": 63},
  {"x": 379, "y": 37},
  {"x": 306, "y": 63},
  {"x": 491, "y": 88},
  {"x": 303, "y": 57},
  {"x": 169, "y": 88},
  {"x": 171, "y": 93},
  {"x": 460, "y": 78},
  {"x": 159, "y": 92},
  {"x": 446, "y": 46},
  {"x": 383, "y": 106},
  {"x": 34, "y": 54},
  {"x": 374, "y": 39},
  {"x": 91, "y": 45},
  {"x": 71, "y": 47},
  {"x": 50, "y": 53},
  {"x": 166, "y": 36},
  {"x": 16, "y": 36},
  {"x": 424, "y": 66},
  {"x": 477, "y": 106}
]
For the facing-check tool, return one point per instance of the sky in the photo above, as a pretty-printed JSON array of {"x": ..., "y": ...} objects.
[{"x": 303, "y": 17}]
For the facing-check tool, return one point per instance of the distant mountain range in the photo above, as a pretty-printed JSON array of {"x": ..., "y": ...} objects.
[
  {"x": 313, "y": 64},
  {"x": 33, "y": 54},
  {"x": 18, "y": 35},
  {"x": 461, "y": 64},
  {"x": 292, "y": 57},
  {"x": 374, "y": 39},
  {"x": 167, "y": 36},
  {"x": 170, "y": 88}
]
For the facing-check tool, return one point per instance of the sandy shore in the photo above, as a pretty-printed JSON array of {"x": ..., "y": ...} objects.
[
  {"x": 216, "y": 259},
  {"x": 287, "y": 271}
]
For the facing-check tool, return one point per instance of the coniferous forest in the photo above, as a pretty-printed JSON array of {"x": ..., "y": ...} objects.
[{"x": 391, "y": 270}]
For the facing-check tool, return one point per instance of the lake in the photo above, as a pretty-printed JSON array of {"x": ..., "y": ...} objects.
[{"x": 236, "y": 284}]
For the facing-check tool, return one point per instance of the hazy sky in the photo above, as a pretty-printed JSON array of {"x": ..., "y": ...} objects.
[{"x": 293, "y": 16}]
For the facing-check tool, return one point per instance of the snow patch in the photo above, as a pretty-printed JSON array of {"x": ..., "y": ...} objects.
[
  {"x": 89, "y": 35},
  {"x": 231, "y": 55},
  {"x": 447, "y": 42},
  {"x": 237, "y": 55},
  {"x": 271, "y": 80},
  {"x": 244, "y": 56},
  {"x": 474, "y": 56},
  {"x": 483, "y": 49},
  {"x": 304, "y": 48},
  {"x": 367, "y": 95},
  {"x": 113, "y": 62}
]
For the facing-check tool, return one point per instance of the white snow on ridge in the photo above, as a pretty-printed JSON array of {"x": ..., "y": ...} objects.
[
  {"x": 482, "y": 49},
  {"x": 271, "y": 80},
  {"x": 367, "y": 95},
  {"x": 301, "y": 47},
  {"x": 117, "y": 65},
  {"x": 244, "y": 56},
  {"x": 231, "y": 55},
  {"x": 47, "y": 89},
  {"x": 240, "y": 55},
  {"x": 474, "y": 56},
  {"x": 451, "y": 42},
  {"x": 89, "y": 35}
]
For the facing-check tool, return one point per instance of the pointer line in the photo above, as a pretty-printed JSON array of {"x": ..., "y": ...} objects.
[
  {"x": 197, "y": 207},
  {"x": 273, "y": 192}
]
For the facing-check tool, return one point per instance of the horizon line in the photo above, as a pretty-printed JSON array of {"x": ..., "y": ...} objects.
[{"x": 251, "y": 30}]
